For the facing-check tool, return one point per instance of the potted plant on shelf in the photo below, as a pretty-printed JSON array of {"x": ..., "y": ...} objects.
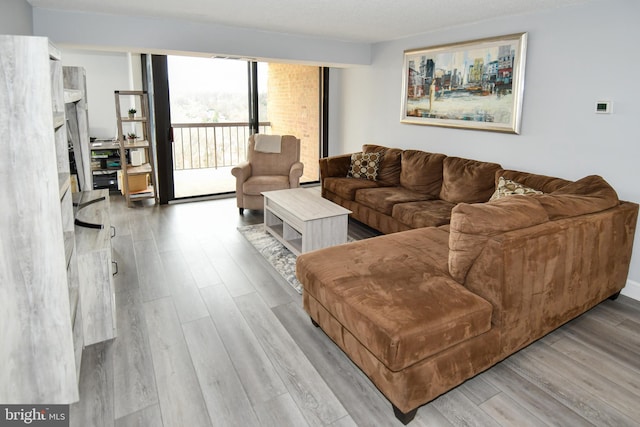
[
  {"x": 131, "y": 137},
  {"x": 132, "y": 112}
]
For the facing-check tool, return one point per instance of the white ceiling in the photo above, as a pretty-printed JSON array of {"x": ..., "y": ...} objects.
[{"x": 346, "y": 20}]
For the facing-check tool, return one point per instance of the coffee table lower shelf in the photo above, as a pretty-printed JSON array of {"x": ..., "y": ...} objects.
[{"x": 293, "y": 239}]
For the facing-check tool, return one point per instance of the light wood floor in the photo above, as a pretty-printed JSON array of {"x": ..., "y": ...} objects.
[{"x": 210, "y": 335}]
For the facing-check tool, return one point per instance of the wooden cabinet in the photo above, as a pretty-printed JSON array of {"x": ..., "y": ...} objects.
[
  {"x": 39, "y": 295},
  {"x": 138, "y": 177},
  {"x": 95, "y": 265},
  {"x": 105, "y": 164}
]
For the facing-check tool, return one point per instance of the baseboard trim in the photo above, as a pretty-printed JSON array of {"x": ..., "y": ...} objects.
[{"x": 632, "y": 290}]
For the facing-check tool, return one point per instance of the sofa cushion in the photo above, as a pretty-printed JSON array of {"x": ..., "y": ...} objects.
[
  {"x": 364, "y": 165},
  {"x": 587, "y": 195},
  {"x": 382, "y": 199},
  {"x": 255, "y": 185},
  {"x": 507, "y": 187},
  {"x": 467, "y": 181},
  {"x": 392, "y": 293},
  {"x": 546, "y": 184},
  {"x": 346, "y": 187},
  {"x": 389, "y": 168},
  {"x": 428, "y": 213},
  {"x": 473, "y": 224},
  {"x": 422, "y": 171}
]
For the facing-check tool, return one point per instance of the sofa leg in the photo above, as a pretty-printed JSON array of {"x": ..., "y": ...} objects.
[
  {"x": 614, "y": 296},
  {"x": 404, "y": 418},
  {"x": 241, "y": 210},
  {"x": 314, "y": 323}
]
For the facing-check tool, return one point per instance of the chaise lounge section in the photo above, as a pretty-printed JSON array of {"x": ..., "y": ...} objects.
[{"x": 424, "y": 308}]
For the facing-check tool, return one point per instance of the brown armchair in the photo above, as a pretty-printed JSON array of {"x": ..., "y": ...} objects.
[{"x": 263, "y": 171}]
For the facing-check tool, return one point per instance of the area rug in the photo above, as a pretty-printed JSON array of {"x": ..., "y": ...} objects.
[{"x": 281, "y": 258}]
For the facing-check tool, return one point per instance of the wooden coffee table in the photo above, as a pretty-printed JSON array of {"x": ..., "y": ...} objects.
[{"x": 303, "y": 221}]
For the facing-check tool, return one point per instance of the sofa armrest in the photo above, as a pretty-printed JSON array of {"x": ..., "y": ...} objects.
[
  {"x": 335, "y": 166},
  {"x": 472, "y": 225},
  {"x": 242, "y": 172},
  {"x": 295, "y": 173}
]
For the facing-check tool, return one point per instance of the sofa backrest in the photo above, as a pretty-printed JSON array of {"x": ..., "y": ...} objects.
[
  {"x": 422, "y": 172},
  {"x": 546, "y": 184},
  {"x": 274, "y": 163},
  {"x": 467, "y": 181},
  {"x": 473, "y": 224},
  {"x": 389, "y": 167},
  {"x": 589, "y": 194}
]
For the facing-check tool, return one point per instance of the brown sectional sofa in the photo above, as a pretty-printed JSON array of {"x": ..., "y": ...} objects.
[
  {"x": 459, "y": 282},
  {"x": 413, "y": 189}
]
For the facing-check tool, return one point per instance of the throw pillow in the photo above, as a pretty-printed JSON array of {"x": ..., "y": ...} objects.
[
  {"x": 507, "y": 187},
  {"x": 364, "y": 165}
]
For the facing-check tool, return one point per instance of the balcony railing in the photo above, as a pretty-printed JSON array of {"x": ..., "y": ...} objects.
[{"x": 211, "y": 145}]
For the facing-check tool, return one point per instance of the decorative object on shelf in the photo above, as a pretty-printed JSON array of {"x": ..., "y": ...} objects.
[
  {"x": 132, "y": 112},
  {"x": 131, "y": 137},
  {"x": 477, "y": 84}
]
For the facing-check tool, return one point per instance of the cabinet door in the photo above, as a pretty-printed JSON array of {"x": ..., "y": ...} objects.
[{"x": 95, "y": 269}]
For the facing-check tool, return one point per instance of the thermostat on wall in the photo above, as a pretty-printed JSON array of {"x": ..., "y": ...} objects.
[{"x": 603, "y": 107}]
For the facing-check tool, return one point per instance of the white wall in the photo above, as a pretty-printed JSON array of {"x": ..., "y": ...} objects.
[
  {"x": 16, "y": 18},
  {"x": 149, "y": 35},
  {"x": 106, "y": 72},
  {"x": 576, "y": 56},
  {"x": 90, "y": 33}
]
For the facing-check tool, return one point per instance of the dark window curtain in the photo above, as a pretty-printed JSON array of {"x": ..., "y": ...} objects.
[{"x": 156, "y": 82}]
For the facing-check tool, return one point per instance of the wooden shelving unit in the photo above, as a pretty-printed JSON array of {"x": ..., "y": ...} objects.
[
  {"x": 138, "y": 176},
  {"x": 42, "y": 326},
  {"x": 77, "y": 116},
  {"x": 105, "y": 164}
]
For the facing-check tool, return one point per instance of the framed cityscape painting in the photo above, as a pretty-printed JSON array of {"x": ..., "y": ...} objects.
[{"x": 477, "y": 84}]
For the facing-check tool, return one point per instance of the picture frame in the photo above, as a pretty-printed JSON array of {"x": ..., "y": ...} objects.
[{"x": 476, "y": 84}]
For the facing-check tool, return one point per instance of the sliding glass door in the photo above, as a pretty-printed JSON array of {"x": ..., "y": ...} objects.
[
  {"x": 216, "y": 104},
  {"x": 210, "y": 121}
]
